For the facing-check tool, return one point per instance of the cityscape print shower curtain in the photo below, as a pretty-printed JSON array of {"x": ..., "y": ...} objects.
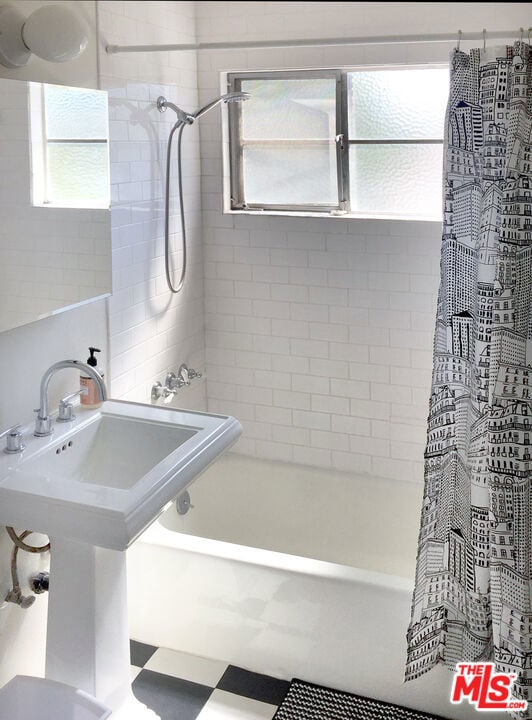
[{"x": 473, "y": 593}]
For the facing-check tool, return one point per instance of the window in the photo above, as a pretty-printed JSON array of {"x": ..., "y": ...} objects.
[
  {"x": 70, "y": 155},
  {"x": 365, "y": 142}
]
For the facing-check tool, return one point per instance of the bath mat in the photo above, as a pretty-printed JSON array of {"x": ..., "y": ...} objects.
[{"x": 305, "y": 701}]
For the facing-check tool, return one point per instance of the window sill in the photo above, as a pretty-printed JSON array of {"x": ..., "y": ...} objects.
[
  {"x": 72, "y": 206},
  {"x": 335, "y": 216}
]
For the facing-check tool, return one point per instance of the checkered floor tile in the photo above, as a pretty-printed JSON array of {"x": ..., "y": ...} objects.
[{"x": 185, "y": 687}]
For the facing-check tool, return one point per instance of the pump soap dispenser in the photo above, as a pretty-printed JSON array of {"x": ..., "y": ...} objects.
[{"x": 91, "y": 397}]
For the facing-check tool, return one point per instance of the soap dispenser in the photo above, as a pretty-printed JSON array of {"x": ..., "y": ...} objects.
[{"x": 90, "y": 398}]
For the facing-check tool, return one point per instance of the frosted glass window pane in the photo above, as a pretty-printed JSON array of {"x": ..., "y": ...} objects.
[
  {"x": 78, "y": 174},
  {"x": 396, "y": 180},
  {"x": 287, "y": 109},
  {"x": 397, "y": 104},
  {"x": 75, "y": 113},
  {"x": 288, "y": 175}
]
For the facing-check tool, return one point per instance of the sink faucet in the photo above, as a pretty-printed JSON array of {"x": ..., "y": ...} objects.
[{"x": 43, "y": 424}]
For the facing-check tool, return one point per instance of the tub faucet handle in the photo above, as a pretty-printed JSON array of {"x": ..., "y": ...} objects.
[
  {"x": 187, "y": 374},
  {"x": 174, "y": 382},
  {"x": 163, "y": 392},
  {"x": 193, "y": 373},
  {"x": 14, "y": 439}
]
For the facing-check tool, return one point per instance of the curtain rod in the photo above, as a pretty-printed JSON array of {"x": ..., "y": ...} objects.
[{"x": 312, "y": 42}]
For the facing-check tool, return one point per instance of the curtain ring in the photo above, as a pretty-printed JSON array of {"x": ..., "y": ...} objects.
[
  {"x": 458, "y": 41},
  {"x": 484, "y": 33}
]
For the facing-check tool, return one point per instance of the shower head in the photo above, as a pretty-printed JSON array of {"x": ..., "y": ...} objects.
[
  {"x": 188, "y": 118},
  {"x": 230, "y": 97},
  {"x": 238, "y": 96}
]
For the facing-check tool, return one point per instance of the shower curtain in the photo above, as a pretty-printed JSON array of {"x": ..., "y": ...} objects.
[{"x": 473, "y": 592}]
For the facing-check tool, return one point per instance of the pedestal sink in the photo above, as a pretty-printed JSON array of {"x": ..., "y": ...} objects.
[{"x": 93, "y": 487}]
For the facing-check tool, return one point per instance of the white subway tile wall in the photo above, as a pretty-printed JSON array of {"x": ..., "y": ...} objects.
[
  {"x": 151, "y": 331},
  {"x": 318, "y": 330},
  {"x": 325, "y": 376}
]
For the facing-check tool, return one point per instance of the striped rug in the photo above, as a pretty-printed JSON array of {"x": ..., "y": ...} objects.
[{"x": 305, "y": 701}]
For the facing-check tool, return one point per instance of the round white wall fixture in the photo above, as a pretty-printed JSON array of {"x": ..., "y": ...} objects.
[
  {"x": 53, "y": 32},
  {"x": 13, "y": 52}
]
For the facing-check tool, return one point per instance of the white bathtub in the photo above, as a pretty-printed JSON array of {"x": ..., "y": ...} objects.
[{"x": 289, "y": 571}]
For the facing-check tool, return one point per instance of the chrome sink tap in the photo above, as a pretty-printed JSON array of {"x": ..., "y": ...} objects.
[
  {"x": 43, "y": 423},
  {"x": 14, "y": 440}
]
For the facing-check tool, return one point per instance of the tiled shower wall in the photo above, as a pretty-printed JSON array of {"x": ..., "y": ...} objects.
[
  {"x": 319, "y": 338},
  {"x": 319, "y": 331},
  {"x": 151, "y": 331}
]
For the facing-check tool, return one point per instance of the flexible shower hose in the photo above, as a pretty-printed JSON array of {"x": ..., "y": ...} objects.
[{"x": 171, "y": 286}]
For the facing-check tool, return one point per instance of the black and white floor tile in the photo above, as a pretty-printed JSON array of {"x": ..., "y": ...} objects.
[{"x": 178, "y": 686}]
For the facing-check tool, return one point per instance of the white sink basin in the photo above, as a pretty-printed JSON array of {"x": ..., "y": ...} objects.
[{"x": 105, "y": 476}]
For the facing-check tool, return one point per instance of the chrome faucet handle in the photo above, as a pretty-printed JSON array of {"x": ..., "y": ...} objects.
[
  {"x": 187, "y": 374},
  {"x": 174, "y": 382},
  {"x": 159, "y": 391},
  {"x": 170, "y": 381},
  {"x": 184, "y": 374},
  {"x": 14, "y": 439},
  {"x": 66, "y": 409},
  {"x": 193, "y": 373}
]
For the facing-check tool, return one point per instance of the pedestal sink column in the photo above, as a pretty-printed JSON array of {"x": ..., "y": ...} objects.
[{"x": 87, "y": 643}]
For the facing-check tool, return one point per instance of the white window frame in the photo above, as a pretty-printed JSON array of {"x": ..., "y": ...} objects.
[
  {"x": 343, "y": 141},
  {"x": 235, "y": 143},
  {"x": 40, "y": 143}
]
